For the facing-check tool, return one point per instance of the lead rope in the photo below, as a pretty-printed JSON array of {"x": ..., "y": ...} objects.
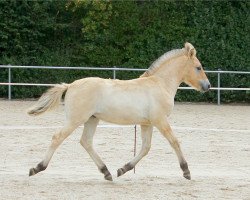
[{"x": 135, "y": 146}]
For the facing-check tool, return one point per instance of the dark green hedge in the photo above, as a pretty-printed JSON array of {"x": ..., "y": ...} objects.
[{"x": 122, "y": 33}]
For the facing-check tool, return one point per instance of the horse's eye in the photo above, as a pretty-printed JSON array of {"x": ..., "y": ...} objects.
[{"x": 198, "y": 68}]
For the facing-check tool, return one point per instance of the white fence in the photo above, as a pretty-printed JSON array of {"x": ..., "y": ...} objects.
[{"x": 114, "y": 70}]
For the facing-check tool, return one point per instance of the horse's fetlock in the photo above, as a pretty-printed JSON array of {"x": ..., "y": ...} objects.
[
  {"x": 128, "y": 167},
  {"x": 104, "y": 170},
  {"x": 120, "y": 172},
  {"x": 41, "y": 167},
  {"x": 184, "y": 166}
]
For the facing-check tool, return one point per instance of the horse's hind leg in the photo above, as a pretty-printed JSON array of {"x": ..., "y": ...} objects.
[
  {"x": 57, "y": 139},
  {"x": 146, "y": 134},
  {"x": 87, "y": 142},
  {"x": 166, "y": 131}
]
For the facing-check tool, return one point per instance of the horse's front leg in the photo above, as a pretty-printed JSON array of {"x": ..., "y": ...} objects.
[
  {"x": 167, "y": 132},
  {"x": 146, "y": 134}
]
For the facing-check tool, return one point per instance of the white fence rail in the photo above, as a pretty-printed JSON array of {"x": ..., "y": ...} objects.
[{"x": 114, "y": 70}]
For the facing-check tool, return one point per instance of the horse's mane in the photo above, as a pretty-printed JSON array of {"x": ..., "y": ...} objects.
[{"x": 165, "y": 57}]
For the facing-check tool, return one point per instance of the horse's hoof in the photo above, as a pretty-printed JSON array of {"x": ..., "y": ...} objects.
[
  {"x": 120, "y": 172},
  {"x": 108, "y": 177},
  {"x": 32, "y": 172},
  {"x": 187, "y": 176}
]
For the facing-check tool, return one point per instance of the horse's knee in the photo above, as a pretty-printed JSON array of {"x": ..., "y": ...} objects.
[
  {"x": 86, "y": 144},
  {"x": 55, "y": 140},
  {"x": 82, "y": 143},
  {"x": 146, "y": 149},
  {"x": 174, "y": 142}
]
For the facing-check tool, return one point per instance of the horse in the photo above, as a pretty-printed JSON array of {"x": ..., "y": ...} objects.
[{"x": 146, "y": 101}]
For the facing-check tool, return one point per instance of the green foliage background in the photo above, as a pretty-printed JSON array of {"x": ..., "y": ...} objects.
[{"x": 125, "y": 34}]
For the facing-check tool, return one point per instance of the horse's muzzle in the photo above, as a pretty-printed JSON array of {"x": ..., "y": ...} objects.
[{"x": 205, "y": 85}]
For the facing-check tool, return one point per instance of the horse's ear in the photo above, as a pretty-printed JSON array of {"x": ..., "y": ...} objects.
[{"x": 191, "y": 52}]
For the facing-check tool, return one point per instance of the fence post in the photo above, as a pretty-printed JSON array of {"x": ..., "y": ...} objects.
[
  {"x": 9, "y": 81},
  {"x": 135, "y": 145},
  {"x": 114, "y": 72},
  {"x": 218, "y": 86}
]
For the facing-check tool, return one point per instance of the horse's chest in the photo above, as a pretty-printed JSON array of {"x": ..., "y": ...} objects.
[{"x": 162, "y": 106}]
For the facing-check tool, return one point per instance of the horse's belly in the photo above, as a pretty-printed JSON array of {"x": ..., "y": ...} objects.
[
  {"x": 123, "y": 115},
  {"x": 122, "y": 119}
]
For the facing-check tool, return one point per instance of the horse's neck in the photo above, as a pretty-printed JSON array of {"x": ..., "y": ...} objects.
[{"x": 171, "y": 75}]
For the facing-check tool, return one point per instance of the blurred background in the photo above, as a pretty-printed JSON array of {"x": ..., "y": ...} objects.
[{"x": 129, "y": 34}]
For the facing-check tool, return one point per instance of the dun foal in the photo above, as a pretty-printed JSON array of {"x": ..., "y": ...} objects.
[{"x": 147, "y": 101}]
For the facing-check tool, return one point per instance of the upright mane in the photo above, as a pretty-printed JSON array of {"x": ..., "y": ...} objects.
[{"x": 165, "y": 57}]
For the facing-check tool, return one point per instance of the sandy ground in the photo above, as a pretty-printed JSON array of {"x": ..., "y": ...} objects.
[{"x": 215, "y": 141}]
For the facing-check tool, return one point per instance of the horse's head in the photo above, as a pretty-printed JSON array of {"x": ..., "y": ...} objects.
[{"x": 194, "y": 73}]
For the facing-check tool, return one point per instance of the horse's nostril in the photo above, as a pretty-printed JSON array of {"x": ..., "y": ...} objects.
[{"x": 209, "y": 86}]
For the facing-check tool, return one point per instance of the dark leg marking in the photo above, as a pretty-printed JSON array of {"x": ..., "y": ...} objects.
[
  {"x": 186, "y": 172},
  {"x": 39, "y": 167},
  {"x": 184, "y": 166},
  {"x": 106, "y": 173},
  {"x": 124, "y": 169}
]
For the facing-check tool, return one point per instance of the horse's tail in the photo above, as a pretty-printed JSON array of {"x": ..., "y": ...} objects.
[{"x": 49, "y": 100}]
